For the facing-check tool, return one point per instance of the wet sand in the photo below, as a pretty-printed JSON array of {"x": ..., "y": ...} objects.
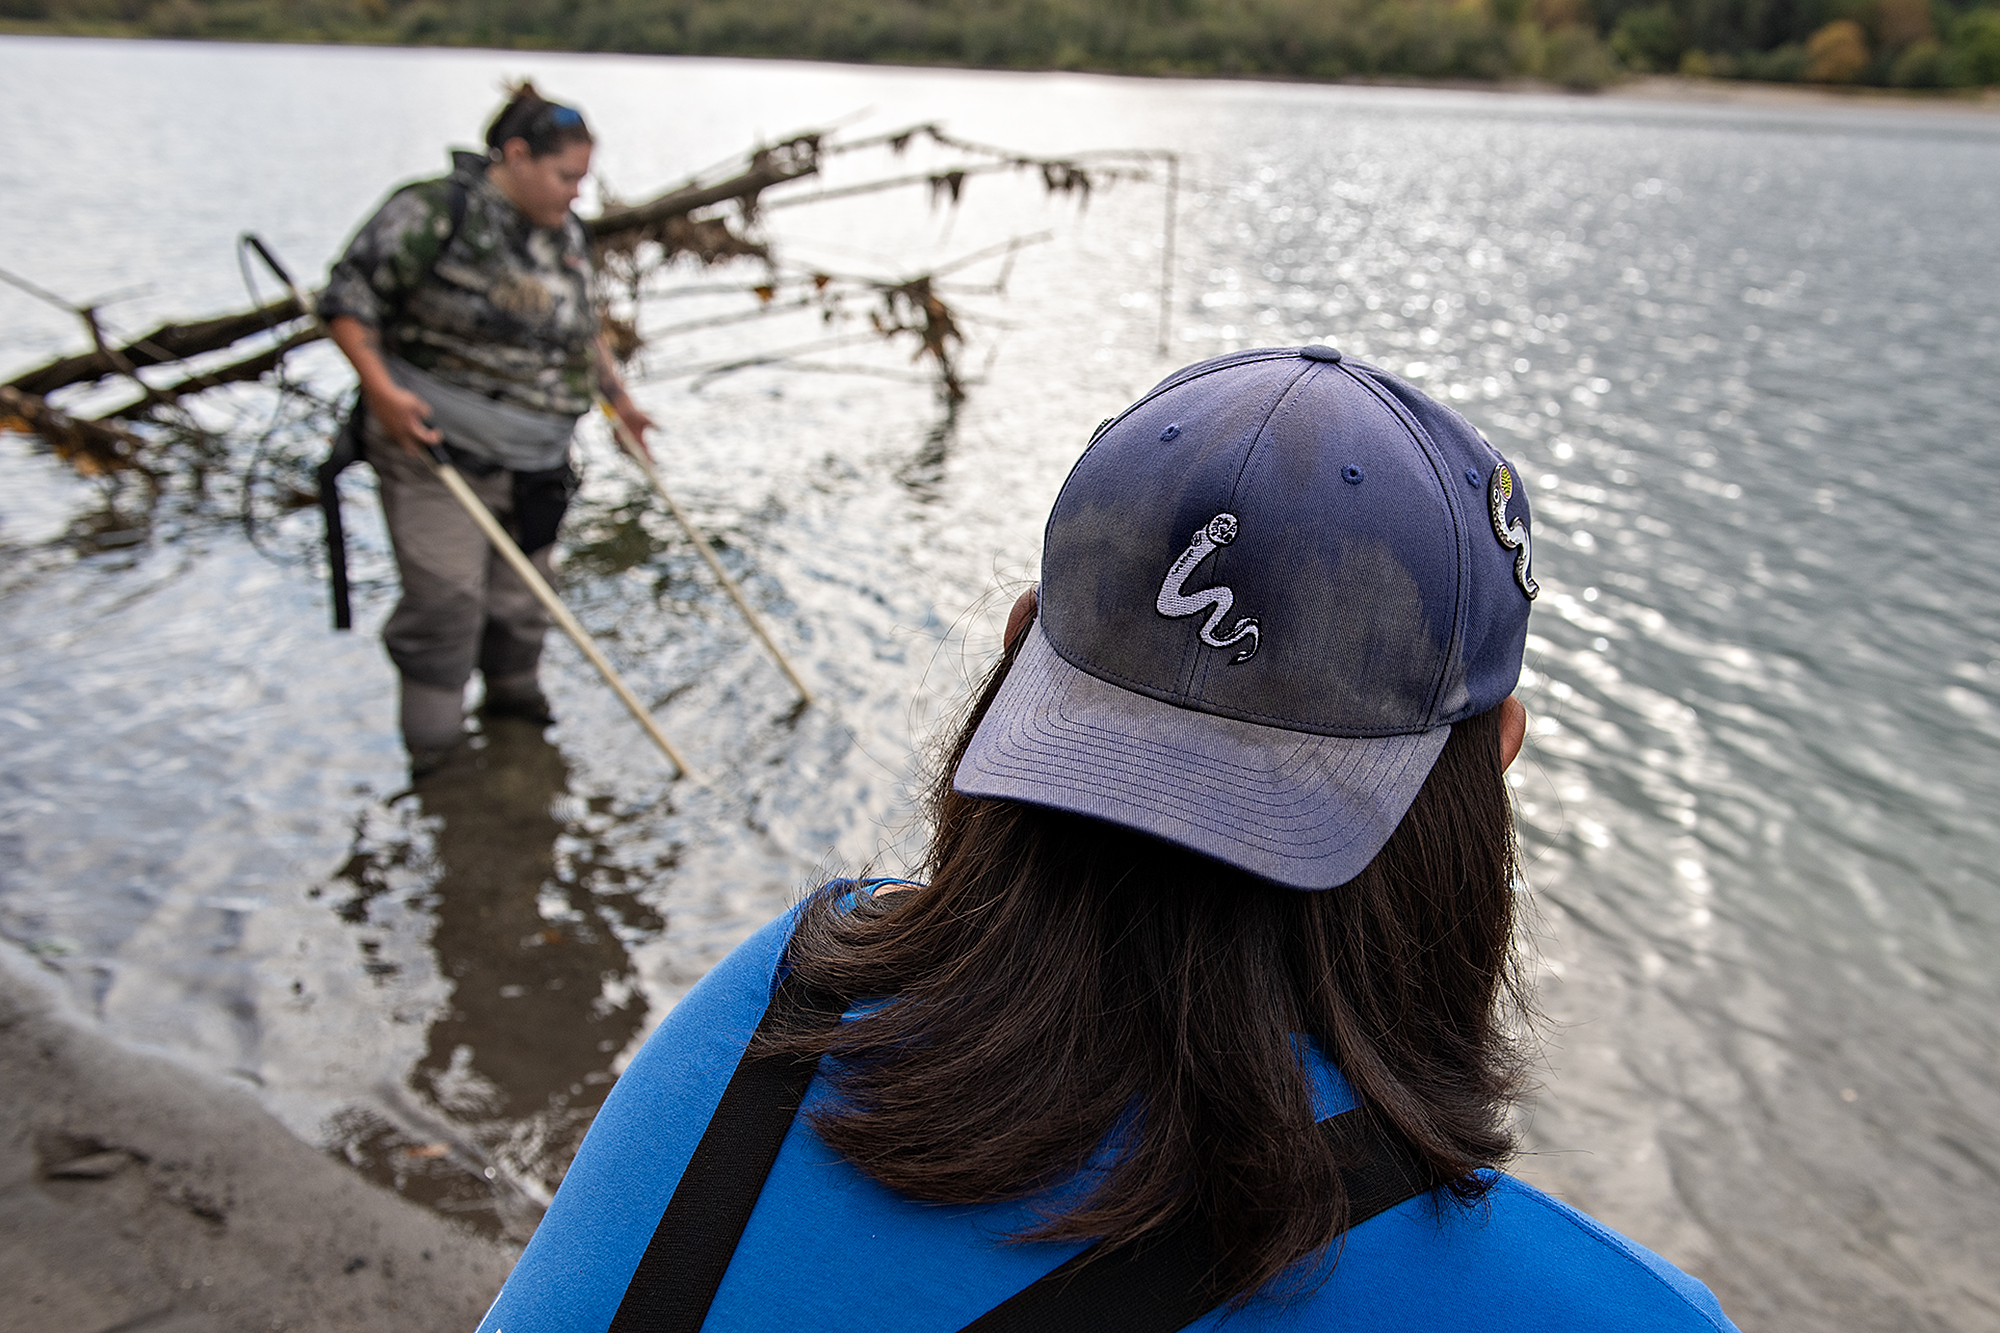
[{"x": 140, "y": 1196}]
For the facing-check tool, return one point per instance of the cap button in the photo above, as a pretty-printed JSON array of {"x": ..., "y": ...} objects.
[{"x": 1320, "y": 352}]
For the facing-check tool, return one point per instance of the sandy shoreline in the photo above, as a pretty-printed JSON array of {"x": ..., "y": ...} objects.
[
  {"x": 138, "y": 1196},
  {"x": 1801, "y": 97}
]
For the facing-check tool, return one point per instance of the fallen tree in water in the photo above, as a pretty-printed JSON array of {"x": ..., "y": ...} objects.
[{"x": 705, "y": 222}]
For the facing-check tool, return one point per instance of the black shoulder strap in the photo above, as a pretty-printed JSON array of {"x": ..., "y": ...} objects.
[
  {"x": 457, "y": 203},
  {"x": 1160, "y": 1285},
  {"x": 684, "y": 1262},
  {"x": 458, "y": 197},
  {"x": 1155, "y": 1286}
]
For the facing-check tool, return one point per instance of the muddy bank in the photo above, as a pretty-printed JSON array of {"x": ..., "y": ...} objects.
[
  {"x": 1800, "y": 97},
  {"x": 139, "y": 1195}
]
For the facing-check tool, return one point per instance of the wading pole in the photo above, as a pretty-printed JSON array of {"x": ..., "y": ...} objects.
[
  {"x": 510, "y": 551},
  {"x": 637, "y": 454}
]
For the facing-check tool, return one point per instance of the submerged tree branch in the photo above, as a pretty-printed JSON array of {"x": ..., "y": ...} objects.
[
  {"x": 93, "y": 448},
  {"x": 169, "y": 342},
  {"x": 236, "y": 372}
]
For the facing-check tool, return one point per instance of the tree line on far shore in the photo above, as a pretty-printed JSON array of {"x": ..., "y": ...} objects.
[{"x": 1577, "y": 43}]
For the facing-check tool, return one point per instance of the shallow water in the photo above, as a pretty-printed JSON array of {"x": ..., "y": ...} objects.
[{"x": 1744, "y": 358}]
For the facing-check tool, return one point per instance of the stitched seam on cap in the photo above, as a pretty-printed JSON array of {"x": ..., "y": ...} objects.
[
  {"x": 1172, "y": 382},
  {"x": 1461, "y": 601},
  {"x": 1191, "y": 674},
  {"x": 1166, "y": 385},
  {"x": 1206, "y": 664}
]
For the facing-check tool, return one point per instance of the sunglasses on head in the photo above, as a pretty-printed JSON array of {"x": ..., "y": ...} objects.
[{"x": 540, "y": 125}]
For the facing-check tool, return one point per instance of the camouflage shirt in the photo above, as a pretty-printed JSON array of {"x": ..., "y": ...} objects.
[{"x": 504, "y": 308}]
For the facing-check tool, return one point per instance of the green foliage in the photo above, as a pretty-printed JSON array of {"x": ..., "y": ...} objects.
[
  {"x": 1649, "y": 40},
  {"x": 1837, "y": 53},
  {"x": 1314, "y": 39},
  {"x": 1968, "y": 56},
  {"x": 1974, "y": 55},
  {"x": 1781, "y": 64},
  {"x": 177, "y": 18},
  {"x": 1921, "y": 65},
  {"x": 91, "y": 12},
  {"x": 1569, "y": 55},
  {"x": 1576, "y": 43},
  {"x": 1300, "y": 38}
]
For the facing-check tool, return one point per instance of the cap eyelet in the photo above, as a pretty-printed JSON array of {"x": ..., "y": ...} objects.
[
  {"x": 1472, "y": 476},
  {"x": 1351, "y": 475},
  {"x": 1171, "y": 431}
]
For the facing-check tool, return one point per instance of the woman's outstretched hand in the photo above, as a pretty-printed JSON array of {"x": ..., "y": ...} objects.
[{"x": 637, "y": 423}]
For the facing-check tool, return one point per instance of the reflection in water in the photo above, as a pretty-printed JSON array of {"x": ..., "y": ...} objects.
[
  {"x": 529, "y": 926},
  {"x": 923, "y": 474}
]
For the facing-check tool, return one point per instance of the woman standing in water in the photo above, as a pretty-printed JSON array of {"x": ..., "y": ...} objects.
[
  {"x": 1202, "y": 1012},
  {"x": 466, "y": 306}
]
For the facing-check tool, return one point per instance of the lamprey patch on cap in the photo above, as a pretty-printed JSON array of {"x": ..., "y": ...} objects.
[
  {"x": 1174, "y": 601},
  {"x": 1513, "y": 536}
]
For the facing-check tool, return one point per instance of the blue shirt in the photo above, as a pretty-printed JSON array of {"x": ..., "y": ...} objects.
[{"x": 829, "y": 1250}]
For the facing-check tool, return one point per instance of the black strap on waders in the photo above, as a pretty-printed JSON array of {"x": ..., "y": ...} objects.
[
  {"x": 540, "y": 501},
  {"x": 347, "y": 448},
  {"x": 345, "y": 453},
  {"x": 1154, "y": 1286}
]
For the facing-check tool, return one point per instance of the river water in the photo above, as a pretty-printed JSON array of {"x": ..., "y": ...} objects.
[{"x": 1744, "y": 357}]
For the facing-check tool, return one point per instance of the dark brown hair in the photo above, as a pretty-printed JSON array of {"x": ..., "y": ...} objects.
[
  {"x": 547, "y": 127},
  {"x": 1064, "y": 986}
]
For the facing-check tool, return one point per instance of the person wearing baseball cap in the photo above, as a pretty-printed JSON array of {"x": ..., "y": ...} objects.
[{"x": 1202, "y": 1011}]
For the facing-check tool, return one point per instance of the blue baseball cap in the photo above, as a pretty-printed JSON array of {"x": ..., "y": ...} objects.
[{"x": 1269, "y": 588}]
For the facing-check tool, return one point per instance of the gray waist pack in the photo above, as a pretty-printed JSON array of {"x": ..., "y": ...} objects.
[{"x": 516, "y": 438}]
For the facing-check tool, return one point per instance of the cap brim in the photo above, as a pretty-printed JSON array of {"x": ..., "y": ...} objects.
[{"x": 1307, "y": 811}]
